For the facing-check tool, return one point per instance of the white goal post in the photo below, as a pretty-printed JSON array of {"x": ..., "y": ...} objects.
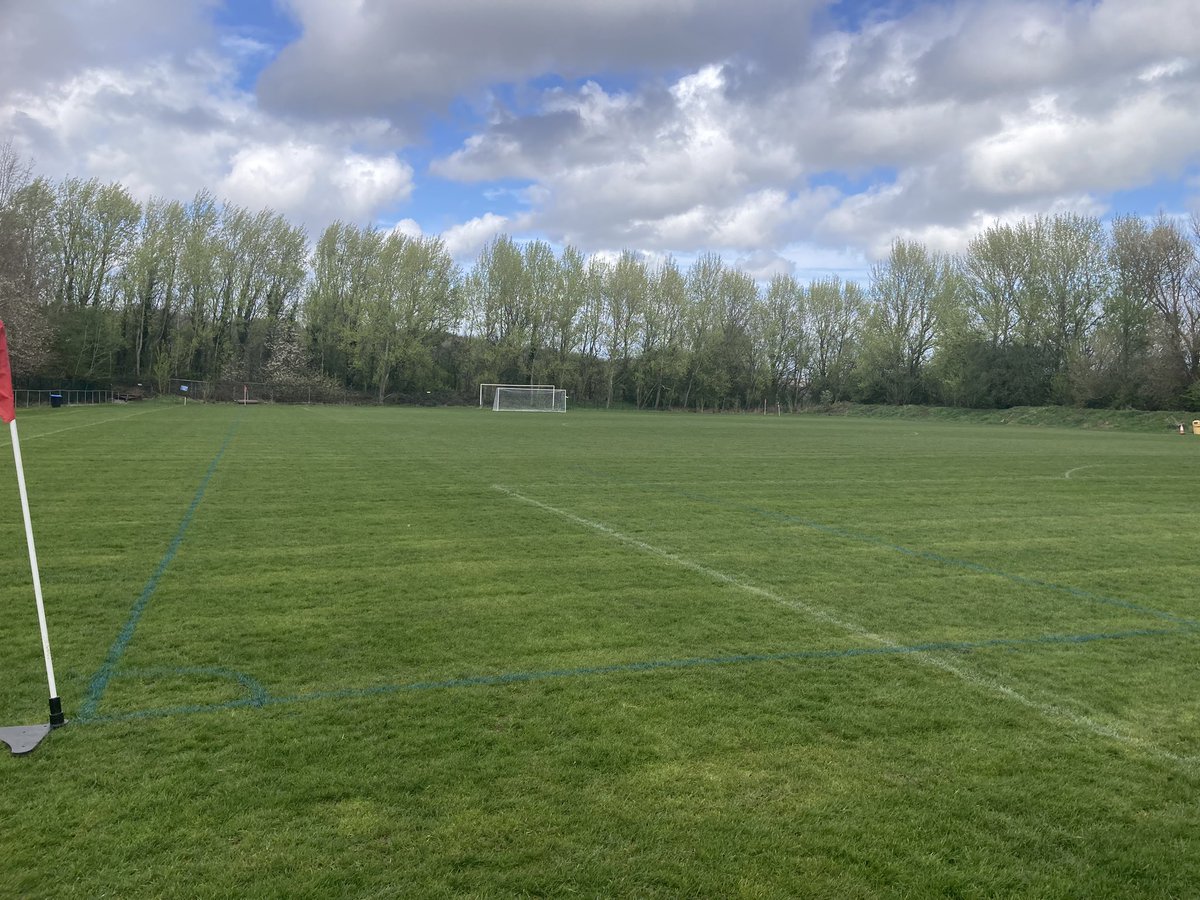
[
  {"x": 487, "y": 392},
  {"x": 527, "y": 399}
]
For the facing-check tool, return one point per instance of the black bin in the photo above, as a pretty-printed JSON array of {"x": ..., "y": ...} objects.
[{"x": 55, "y": 401}]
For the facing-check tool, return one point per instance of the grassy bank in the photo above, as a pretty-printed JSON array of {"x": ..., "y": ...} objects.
[{"x": 1044, "y": 416}]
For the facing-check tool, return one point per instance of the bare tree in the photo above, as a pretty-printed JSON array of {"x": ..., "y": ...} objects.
[
  {"x": 911, "y": 293},
  {"x": 835, "y": 310},
  {"x": 25, "y": 207},
  {"x": 780, "y": 333}
]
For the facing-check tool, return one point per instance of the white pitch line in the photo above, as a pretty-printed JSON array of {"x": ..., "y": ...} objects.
[
  {"x": 1079, "y": 469},
  {"x": 1048, "y": 710},
  {"x": 90, "y": 424}
]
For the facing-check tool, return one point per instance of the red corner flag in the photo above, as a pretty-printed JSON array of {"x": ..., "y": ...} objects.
[
  {"x": 8, "y": 410},
  {"x": 22, "y": 740}
]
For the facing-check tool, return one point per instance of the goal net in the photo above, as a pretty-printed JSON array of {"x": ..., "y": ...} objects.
[
  {"x": 529, "y": 399},
  {"x": 487, "y": 391}
]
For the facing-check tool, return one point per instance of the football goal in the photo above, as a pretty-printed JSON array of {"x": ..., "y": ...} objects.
[
  {"x": 529, "y": 399},
  {"x": 487, "y": 391}
]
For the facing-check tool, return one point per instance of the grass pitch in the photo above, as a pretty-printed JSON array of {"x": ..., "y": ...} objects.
[{"x": 411, "y": 652}]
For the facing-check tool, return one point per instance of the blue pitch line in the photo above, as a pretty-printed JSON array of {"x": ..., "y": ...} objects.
[
  {"x": 259, "y": 698},
  {"x": 104, "y": 674}
]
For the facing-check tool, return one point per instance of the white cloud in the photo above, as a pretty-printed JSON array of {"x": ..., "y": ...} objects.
[
  {"x": 1161, "y": 71},
  {"x": 314, "y": 179},
  {"x": 406, "y": 57},
  {"x": 705, "y": 125},
  {"x": 158, "y": 127},
  {"x": 276, "y": 176},
  {"x": 408, "y": 228},
  {"x": 171, "y": 124},
  {"x": 463, "y": 242},
  {"x": 364, "y": 184},
  {"x": 938, "y": 123},
  {"x": 1049, "y": 150},
  {"x": 51, "y": 41},
  {"x": 680, "y": 168}
]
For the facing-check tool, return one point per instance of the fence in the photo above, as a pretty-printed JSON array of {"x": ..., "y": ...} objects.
[
  {"x": 30, "y": 398},
  {"x": 232, "y": 392},
  {"x": 259, "y": 392}
]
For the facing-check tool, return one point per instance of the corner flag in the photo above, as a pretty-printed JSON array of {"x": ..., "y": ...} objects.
[
  {"x": 22, "y": 740},
  {"x": 8, "y": 406}
]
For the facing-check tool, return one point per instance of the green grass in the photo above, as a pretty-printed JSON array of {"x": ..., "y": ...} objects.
[
  {"x": 313, "y": 652},
  {"x": 1157, "y": 422}
]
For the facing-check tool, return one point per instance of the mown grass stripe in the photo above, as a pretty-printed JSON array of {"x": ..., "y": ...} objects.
[
  {"x": 258, "y": 694},
  {"x": 954, "y": 562},
  {"x": 929, "y": 556},
  {"x": 100, "y": 680}
]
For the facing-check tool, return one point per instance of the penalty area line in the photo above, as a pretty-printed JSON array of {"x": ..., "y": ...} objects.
[
  {"x": 259, "y": 698},
  {"x": 100, "y": 680},
  {"x": 1052, "y": 711},
  {"x": 34, "y": 437}
]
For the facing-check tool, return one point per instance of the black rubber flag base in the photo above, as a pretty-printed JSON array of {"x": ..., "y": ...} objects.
[{"x": 22, "y": 739}]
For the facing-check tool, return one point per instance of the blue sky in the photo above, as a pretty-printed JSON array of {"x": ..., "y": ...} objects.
[{"x": 798, "y": 136}]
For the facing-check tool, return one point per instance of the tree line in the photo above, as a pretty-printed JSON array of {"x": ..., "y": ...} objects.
[{"x": 98, "y": 288}]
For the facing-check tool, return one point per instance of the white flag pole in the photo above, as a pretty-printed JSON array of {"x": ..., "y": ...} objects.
[{"x": 56, "y": 713}]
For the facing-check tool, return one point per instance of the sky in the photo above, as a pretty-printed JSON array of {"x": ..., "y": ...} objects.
[{"x": 788, "y": 136}]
